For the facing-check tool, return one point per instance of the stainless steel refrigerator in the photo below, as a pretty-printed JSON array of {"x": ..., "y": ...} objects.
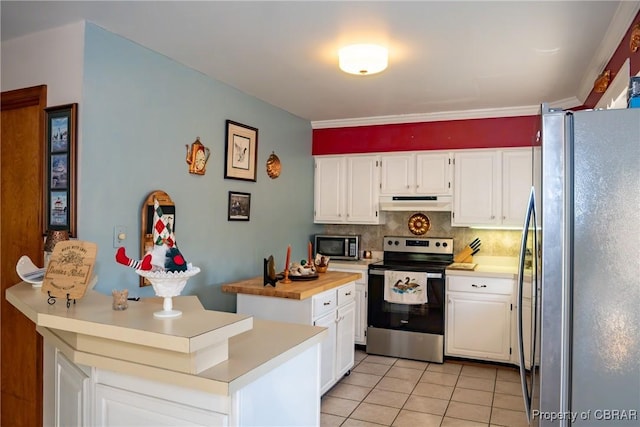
[{"x": 585, "y": 321}]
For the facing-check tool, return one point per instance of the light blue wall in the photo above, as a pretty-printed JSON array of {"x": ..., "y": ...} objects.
[{"x": 139, "y": 110}]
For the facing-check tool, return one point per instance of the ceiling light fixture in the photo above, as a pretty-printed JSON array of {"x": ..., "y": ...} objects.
[{"x": 363, "y": 59}]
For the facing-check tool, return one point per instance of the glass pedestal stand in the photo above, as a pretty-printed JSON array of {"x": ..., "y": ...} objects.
[{"x": 168, "y": 285}]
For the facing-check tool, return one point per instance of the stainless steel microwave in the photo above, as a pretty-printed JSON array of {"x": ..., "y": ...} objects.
[{"x": 338, "y": 247}]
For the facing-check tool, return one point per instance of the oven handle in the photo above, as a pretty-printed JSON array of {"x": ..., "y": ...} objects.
[{"x": 429, "y": 275}]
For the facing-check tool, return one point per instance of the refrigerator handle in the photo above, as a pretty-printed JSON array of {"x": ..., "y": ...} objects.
[{"x": 526, "y": 393}]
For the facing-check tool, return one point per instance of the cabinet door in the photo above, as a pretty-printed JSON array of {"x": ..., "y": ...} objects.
[
  {"x": 360, "y": 333},
  {"x": 517, "y": 178},
  {"x": 329, "y": 189},
  {"x": 71, "y": 394},
  {"x": 363, "y": 182},
  {"x": 433, "y": 174},
  {"x": 345, "y": 349},
  {"x": 120, "y": 407},
  {"x": 527, "y": 319},
  {"x": 476, "y": 198},
  {"x": 478, "y": 326},
  {"x": 327, "y": 351},
  {"x": 397, "y": 174}
]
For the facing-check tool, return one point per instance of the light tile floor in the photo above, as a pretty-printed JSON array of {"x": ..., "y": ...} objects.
[{"x": 398, "y": 392}]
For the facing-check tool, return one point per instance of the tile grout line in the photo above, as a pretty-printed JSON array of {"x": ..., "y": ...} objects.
[
  {"x": 422, "y": 372},
  {"x": 365, "y": 396},
  {"x": 451, "y": 397},
  {"x": 410, "y": 393}
]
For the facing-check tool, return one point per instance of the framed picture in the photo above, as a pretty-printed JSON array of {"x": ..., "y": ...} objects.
[
  {"x": 239, "y": 206},
  {"x": 60, "y": 168},
  {"x": 241, "y": 152}
]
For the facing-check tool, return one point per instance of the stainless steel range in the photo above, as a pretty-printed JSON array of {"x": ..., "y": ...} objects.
[{"x": 406, "y": 298}]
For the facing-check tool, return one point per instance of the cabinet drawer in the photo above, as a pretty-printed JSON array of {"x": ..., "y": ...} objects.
[
  {"x": 346, "y": 293},
  {"x": 485, "y": 285},
  {"x": 324, "y": 303}
]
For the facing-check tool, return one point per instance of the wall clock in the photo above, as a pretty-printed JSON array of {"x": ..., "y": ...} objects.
[{"x": 197, "y": 157}]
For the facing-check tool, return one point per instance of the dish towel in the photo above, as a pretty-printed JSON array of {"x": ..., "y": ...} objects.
[{"x": 405, "y": 287}]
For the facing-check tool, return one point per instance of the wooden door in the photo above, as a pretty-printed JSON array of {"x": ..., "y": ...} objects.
[{"x": 22, "y": 153}]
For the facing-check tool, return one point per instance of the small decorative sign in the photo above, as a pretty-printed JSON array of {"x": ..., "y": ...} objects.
[{"x": 70, "y": 269}]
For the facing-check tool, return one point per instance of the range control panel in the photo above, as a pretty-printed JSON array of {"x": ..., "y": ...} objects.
[{"x": 422, "y": 245}]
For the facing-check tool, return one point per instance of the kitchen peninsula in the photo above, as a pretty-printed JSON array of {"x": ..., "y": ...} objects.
[
  {"x": 105, "y": 367},
  {"x": 328, "y": 301}
]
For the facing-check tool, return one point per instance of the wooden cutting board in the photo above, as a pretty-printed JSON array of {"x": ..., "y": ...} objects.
[{"x": 462, "y": 266}]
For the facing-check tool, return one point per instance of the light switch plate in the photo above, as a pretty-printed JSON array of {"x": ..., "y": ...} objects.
[{"x": 119, "y": 235}]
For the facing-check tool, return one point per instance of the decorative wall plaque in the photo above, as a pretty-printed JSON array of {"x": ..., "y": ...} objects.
[{"x": 70, "y": 269}]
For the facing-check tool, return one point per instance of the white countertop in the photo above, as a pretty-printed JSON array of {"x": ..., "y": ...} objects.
[
  {"x": 360, "y": 265},
  {"x": 93, "y": 315},
  {"x": 486, "y": 271},
  {"x": 490, "y": 266},
  {"x": 90, "y": 332}
]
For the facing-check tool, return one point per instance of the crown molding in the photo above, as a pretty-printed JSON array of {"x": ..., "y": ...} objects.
[
  {"x": 620, "y": 23},
  {"x": 490, "y": 113}
]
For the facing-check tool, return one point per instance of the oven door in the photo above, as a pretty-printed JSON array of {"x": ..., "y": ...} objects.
[{"x": 426, "y": 318}]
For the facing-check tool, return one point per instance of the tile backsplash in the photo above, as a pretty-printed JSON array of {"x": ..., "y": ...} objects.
[{"x": 494, "y": 242}]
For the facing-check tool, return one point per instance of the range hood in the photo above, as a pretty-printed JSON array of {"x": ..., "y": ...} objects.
[{"x": 415, "y": 203}]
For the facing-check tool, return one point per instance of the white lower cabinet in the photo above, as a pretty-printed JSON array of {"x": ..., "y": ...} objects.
[
  {"x": 362, "y": 289},
  {"x": 478, "y": 317},
  {"x": 361, "y": 313},
  {"x": 72, "y": 393},
  {"x": 328, "y": 350},
  {"x": 333, "y": 309},
  {"x": 79, "y": 395},
  {"x": 345, "y": 351},
  {"x": 118, "y": 407},
  {"x": 528, "y": 321}
]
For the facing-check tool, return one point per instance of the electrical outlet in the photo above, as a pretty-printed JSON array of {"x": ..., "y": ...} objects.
[{"x": 119, "y": 235}]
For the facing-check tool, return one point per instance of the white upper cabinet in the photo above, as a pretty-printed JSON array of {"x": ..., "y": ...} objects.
[
  {"x": 476, "y": 199},
  {"x": 491, "y": 187},
  {"x": 346, "y": 189},
  {"x": 517, "y": 177},
  {"x": 329, "y": 189},
  {"x": 433, "y": 174},
  {"x": 397, "y": 174},
  {"x": 363, "y": 182},
  {"x": 416, "y": 173}
]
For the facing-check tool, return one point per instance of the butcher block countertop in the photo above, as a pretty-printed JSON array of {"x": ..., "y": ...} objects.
[{"x": 300, "y": 290}]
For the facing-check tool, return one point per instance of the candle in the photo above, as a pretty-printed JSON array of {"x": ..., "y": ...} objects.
[
  {"x": 286, "y": 263},
  {"x": 310, "y": 261}
]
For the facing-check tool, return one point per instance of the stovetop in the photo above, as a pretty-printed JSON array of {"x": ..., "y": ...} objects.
[
  {"x": 418, "y": 254},
  {"x": 418, "y": 245}
]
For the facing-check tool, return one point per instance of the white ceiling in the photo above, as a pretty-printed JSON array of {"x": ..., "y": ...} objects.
[{"x": 466, "y": 57}]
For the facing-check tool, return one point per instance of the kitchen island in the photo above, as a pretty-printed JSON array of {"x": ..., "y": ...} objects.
[
  {"x": 328, "y": 301},
  {"x": 111, "y": 368}
]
